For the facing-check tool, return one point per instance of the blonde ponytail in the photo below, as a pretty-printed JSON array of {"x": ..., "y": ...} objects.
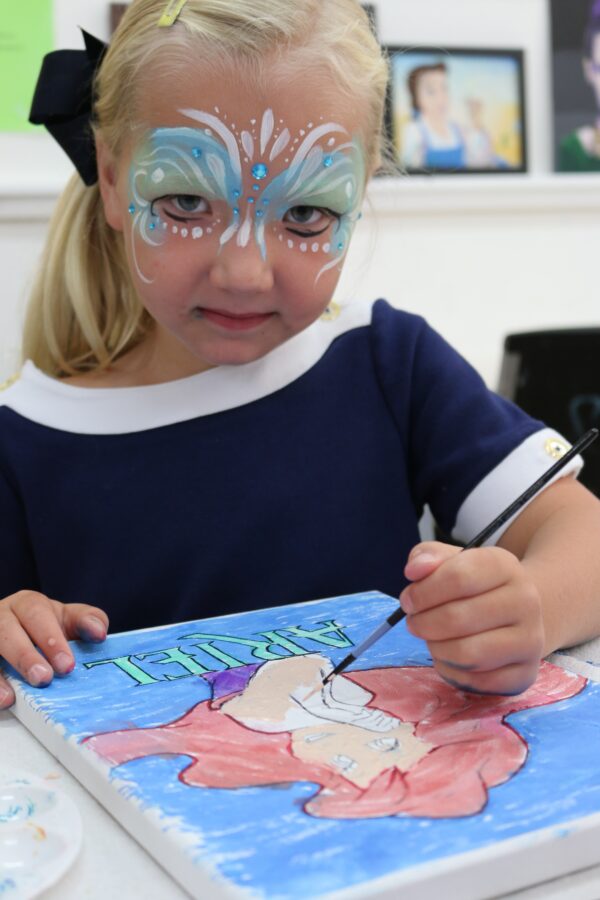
[{"x": 83, "y": 311}]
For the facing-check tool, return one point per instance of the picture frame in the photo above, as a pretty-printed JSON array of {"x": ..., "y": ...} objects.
[
  {"x": 117, "y": 11},
  {"x": 457, "y": 110},
  {"x": 371, "y": 11},
  {"x": 576, "y": 84}
]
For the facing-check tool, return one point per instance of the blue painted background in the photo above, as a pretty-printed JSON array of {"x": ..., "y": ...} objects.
[{"x": 259, "y": 837}]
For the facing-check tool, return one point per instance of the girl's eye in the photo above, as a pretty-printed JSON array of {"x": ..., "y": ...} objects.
[
  {"x": 309, "y": 220},
  {"x": 188, "y": 203},
  {"x": 181, "y": 207}
]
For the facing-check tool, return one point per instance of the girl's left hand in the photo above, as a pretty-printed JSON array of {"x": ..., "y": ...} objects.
[{"x": 480, "y": 614}]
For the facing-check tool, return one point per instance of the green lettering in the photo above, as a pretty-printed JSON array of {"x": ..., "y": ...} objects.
[
  {"x": 278, "y": 640},
  {"x": 126, "y": 665},
  {"x": 230, "y": 661},
  {"x": 320, "y": 634},
  {"x": 259, "y": 649},
  {"x": 179, "y": 657}
]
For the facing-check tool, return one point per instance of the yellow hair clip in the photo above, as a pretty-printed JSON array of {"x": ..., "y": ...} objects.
[{"x": 171, "y": 13}]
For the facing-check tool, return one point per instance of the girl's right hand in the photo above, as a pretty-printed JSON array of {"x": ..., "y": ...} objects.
[{"x": 34, "y": 635}]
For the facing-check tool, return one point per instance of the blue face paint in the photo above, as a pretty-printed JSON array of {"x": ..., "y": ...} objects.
[{"x": 207, "y": 162}]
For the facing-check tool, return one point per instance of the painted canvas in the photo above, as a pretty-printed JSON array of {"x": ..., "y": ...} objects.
[
  {"x": 208, "y": 743},
  {"x": 457, "y": 111},
  {"x": 576, "y": 83}
]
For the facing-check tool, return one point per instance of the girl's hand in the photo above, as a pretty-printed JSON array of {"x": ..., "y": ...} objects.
[
  {"x": 480, "y": 614},
  {"x": 34, "y": 631}
]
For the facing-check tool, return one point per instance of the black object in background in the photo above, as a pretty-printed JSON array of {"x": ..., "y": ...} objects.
[
  {"x": 555, "y": 376},
  {"x": 371, "y": 10}
]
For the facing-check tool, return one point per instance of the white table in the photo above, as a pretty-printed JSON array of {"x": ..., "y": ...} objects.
[{"x": 111, "y": 864}]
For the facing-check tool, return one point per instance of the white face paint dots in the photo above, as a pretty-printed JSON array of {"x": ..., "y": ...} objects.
[{"x": 214, "y": 179}]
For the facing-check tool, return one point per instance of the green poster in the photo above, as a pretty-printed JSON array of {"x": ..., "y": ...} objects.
[{"x": 25, "y": 36}]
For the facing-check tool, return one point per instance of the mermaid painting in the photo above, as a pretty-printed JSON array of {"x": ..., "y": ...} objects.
[{"x": 393, "y": 741}]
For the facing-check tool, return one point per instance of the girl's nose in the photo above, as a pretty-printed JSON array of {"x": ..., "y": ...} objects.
[{"x": 241, "y": 269}]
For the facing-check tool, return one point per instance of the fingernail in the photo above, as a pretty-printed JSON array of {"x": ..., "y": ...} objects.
[
  {"x": 63, "y": 663},
  {"x": 424, "y": 557},
  {"x": 6, "y": 698},
  {"x": 92, "y": 628},
  {"x": 406, "y": 601},
  {"x": 39, "y": 675}
]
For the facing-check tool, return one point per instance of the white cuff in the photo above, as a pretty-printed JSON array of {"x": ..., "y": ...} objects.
[{"x": 509, "y": 480}]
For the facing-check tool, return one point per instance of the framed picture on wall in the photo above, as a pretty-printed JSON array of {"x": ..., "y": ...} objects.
[
  {"x": 371, "y": 10},
  {"x": 454, "y": 111},
  {"x": 576, "y": 76},
  {"x": 116, "y": 14}
]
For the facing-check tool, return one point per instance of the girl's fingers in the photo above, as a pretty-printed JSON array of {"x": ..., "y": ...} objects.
[
  {"x": 464, "y": 574},
  {"x": 461, "y": 618},
  {"x": 83, "y": 622},
  {"x": 36, "y": 615},
  {"x": 425, "y": 558},
  {"x": 490, "y": 650},
  {"x": 509, "y": 680},
  {"x": 7, "y": 695},
  {"x": 34, "y": 633},
  {"x": 16, "y": 645}
]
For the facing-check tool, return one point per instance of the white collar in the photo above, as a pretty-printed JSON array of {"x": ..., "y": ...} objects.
[{"x": 86, "y": 410}]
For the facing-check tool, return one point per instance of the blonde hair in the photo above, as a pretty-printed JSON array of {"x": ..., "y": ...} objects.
[{"x": 84, "y": 311}]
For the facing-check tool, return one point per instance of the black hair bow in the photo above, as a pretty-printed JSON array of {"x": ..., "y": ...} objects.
[{"x": 63, "y": 102}]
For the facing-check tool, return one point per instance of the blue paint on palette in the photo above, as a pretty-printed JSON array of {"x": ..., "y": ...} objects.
[{"x": 259, "y": 837}]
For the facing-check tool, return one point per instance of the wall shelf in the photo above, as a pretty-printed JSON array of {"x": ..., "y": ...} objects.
[{"x": 493, "y": 194}]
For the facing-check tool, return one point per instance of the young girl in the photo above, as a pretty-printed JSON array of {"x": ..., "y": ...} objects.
[{"x": 198, "y": 429}]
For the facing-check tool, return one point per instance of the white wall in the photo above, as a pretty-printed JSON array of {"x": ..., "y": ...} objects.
[{"x": 479, "y": 256}]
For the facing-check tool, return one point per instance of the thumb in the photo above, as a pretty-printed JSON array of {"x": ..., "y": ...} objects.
[{"x": 426, "y": 557}]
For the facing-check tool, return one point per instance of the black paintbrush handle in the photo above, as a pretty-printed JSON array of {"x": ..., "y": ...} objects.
[{"x": 578, "y": 447}]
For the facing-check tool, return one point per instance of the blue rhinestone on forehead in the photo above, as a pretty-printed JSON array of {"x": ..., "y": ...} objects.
[
  {"x": 132, "y": 209},
  {"x": 196, "y": 152},
  {"x": 328, "y": 162},
  {"x": 259, "y": 171}
]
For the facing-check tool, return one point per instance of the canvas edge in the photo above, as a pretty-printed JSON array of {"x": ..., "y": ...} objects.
[
  {"x": 507, "y": 866},
  {"x": 194, "y": 877},
  {"x": 377, "y": 595}
]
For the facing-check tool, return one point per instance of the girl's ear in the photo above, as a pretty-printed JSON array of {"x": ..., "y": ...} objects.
[{"x": 108, "y": 184}]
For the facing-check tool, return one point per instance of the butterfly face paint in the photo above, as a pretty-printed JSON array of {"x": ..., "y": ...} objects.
[{"x": 260, "y": 176}]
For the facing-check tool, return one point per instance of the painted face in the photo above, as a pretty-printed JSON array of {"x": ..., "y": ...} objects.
[
  {"x": 237, "y": 213},
  {"x": 334, "y": 726},
  {"x": 432, "y": 94}
]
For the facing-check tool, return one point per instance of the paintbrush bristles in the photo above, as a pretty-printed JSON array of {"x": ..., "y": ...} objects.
[{"x": 312, "y": 693}]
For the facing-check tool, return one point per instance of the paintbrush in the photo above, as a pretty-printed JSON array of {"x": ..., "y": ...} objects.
[{"x": 578, "y": 447}]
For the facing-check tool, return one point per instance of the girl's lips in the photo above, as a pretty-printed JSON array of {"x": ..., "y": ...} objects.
[{"x": 232, "y": 321}]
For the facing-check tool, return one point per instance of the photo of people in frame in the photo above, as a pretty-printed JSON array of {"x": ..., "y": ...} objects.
[
  {"x": 458, "y": 111},
  {"x": 576, "y": 77},
  {"x": 117, "y": 11}
]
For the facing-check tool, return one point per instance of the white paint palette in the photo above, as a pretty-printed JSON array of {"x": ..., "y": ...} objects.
[{"x": 40, "y": 835}]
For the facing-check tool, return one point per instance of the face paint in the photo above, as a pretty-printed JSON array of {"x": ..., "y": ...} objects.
[{"x": 325, "y": 171}]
